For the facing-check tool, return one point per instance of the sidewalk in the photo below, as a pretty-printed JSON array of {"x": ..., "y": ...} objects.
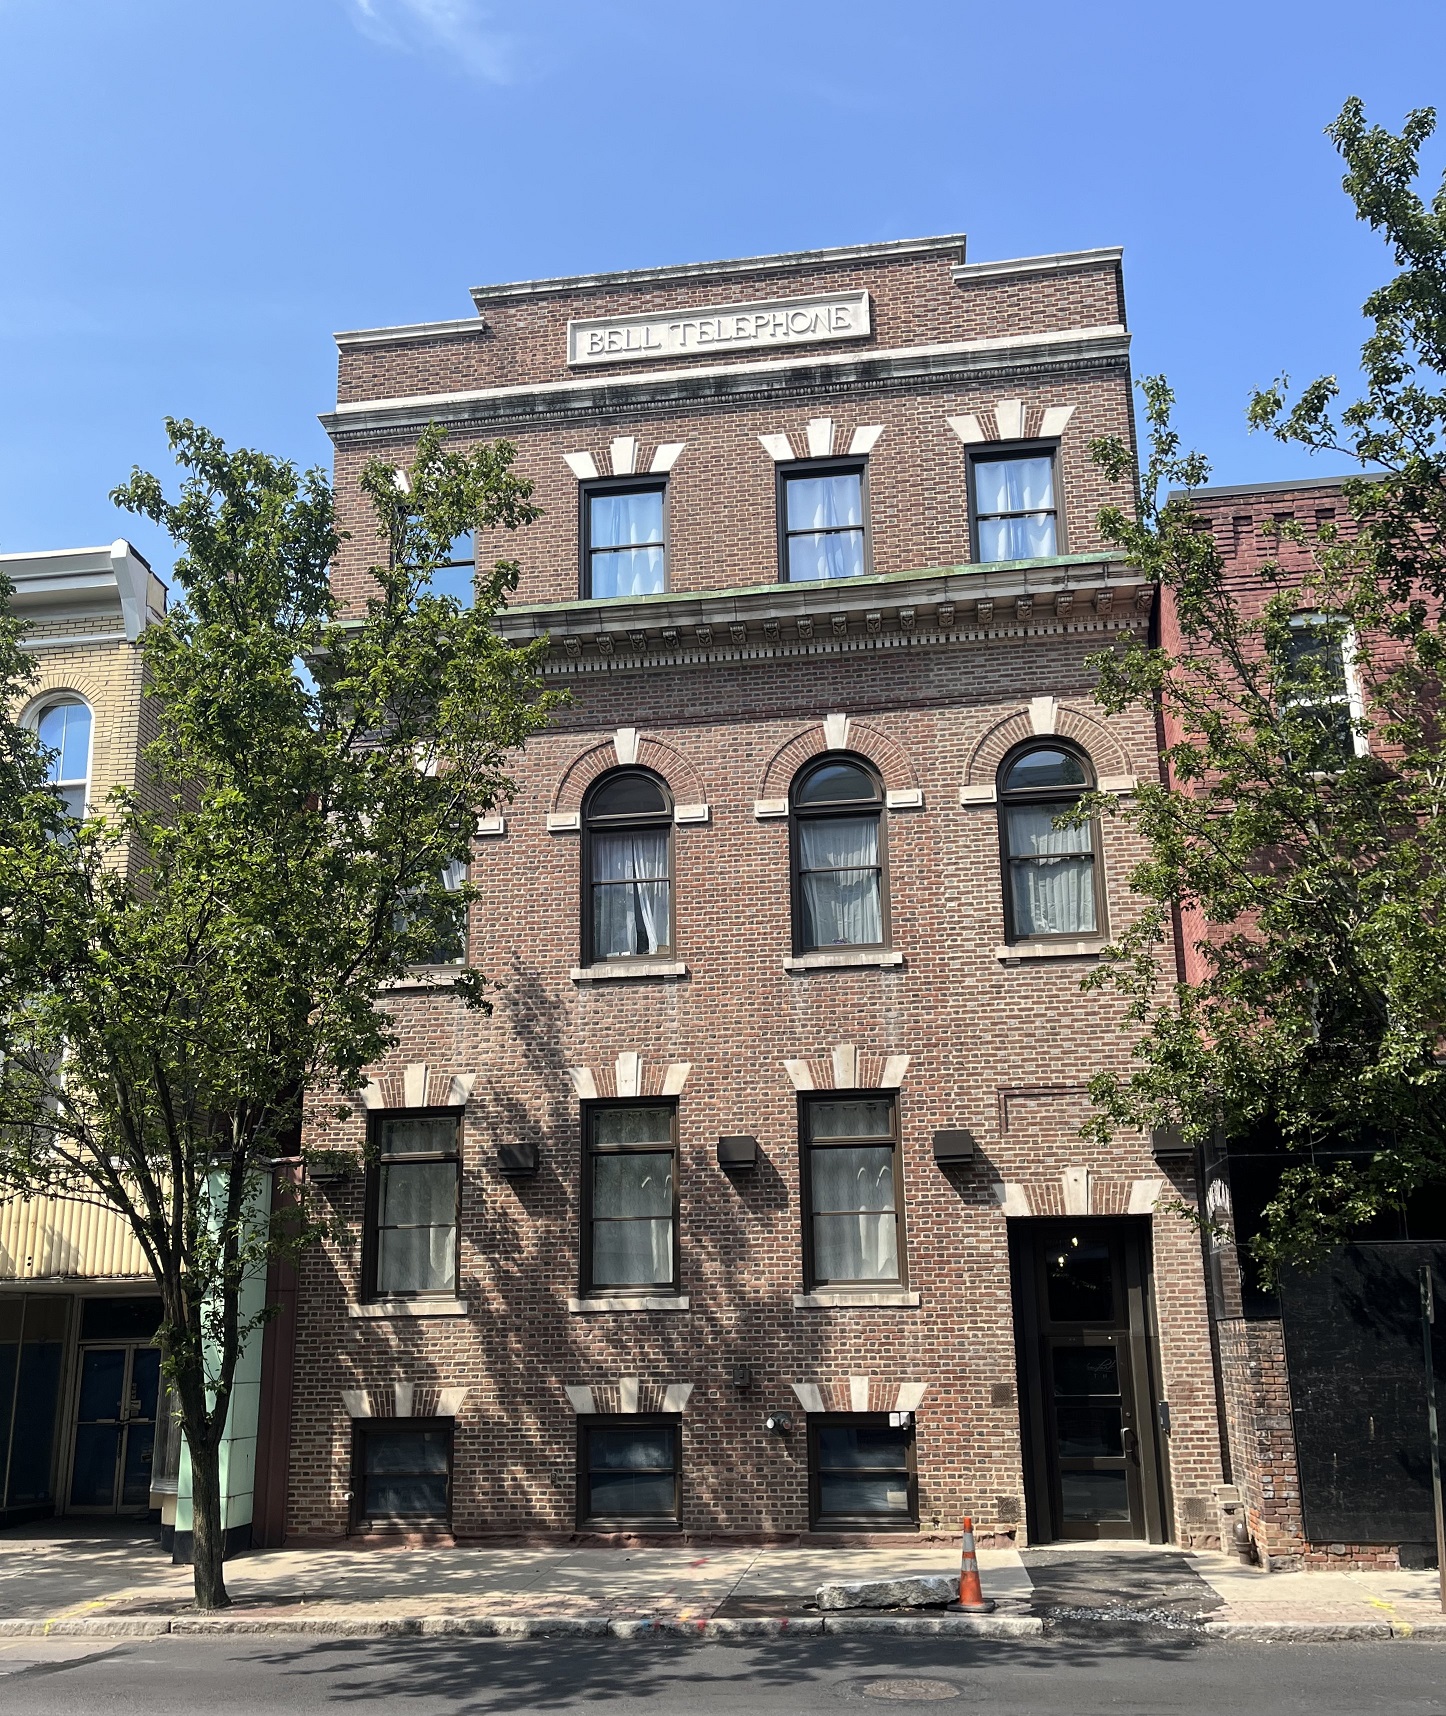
[{"x": 66, "y": 1578}]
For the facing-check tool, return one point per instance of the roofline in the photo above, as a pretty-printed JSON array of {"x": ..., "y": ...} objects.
[
  {"x": 116, "y": 548},
  {"x": 1285, "y": 486},
  {"x": 776, "y": 263},
  {"x": 1057, "y": 262}
]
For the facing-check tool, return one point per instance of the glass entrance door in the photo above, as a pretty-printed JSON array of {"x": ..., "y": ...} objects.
[
  {"x": 1085, "y": 1375},
  {"x": 115, "y": 1429}
]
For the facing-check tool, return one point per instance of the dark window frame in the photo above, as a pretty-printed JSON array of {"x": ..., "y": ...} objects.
[
  {"x": 993, "y": 452},
  {"x": 643, "y": 483},
  {"x": 588, "y": 1287},
  {"x": 360, "y": 1521},
  {"x": 855, "y": 808},
  {"x": 1342, "y": 635},
  {"x": 1048, "y": 795},
  {"x": 371, "y": 1227},
  {"x": 592, "y": 825},
  {"x": 805, "y": 468},
  {"x": 670, "y": 1421},
  {"x": 817, "y": 1518},
  {"x": 813, "y": 1282}
]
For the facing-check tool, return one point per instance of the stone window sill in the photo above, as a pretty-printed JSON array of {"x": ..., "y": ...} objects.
[
  {"x": 830, "y": 1300},
  {"x": 630, "y": 1302},
  {"x": 842, "y": 959},
  {"x": 1051, "y": 950},
  {"x": 410, "y": 1308},
  {"x": 615, "y": 970},
  {"x": 424, "y": 977}
]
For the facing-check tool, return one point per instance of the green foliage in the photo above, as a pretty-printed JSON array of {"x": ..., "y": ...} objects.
[
  {"x": 1304, "y": 850},
  {"x": 206, "y": 949}
]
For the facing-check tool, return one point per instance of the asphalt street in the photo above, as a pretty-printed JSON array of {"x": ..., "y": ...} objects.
[{"x": 420, "y": 1676}]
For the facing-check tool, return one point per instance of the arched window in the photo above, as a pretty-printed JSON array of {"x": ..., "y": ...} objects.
[
  {"x": 838, "y": 856},
  {"x": 64, "y": 730},
  {"x": 1052, "y": 888},
  {"x": 628, "y": 874}
]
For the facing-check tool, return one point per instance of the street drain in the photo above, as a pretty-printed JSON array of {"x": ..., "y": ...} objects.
[{"x": 908, "y": 1691}]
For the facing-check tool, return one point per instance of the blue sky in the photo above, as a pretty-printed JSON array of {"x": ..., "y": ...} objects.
[{"x": 194, "y": 195}]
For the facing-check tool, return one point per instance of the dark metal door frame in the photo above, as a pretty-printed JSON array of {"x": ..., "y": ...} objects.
[{"x": 1132, "y": 1332}]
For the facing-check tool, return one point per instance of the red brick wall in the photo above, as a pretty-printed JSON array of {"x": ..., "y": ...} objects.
[{"x": 1002, "y": 1049}]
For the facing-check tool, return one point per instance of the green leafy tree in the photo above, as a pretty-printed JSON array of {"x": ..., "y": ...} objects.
[
  {"x": 204, "y": 951},
  {"x": 1303, "y": 849}
]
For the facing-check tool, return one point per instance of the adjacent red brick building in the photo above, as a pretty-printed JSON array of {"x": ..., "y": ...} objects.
[{"x": 759, "y": 1204}]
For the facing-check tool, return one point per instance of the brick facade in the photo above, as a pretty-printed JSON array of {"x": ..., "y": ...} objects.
[{"x": 931, "y": 668}]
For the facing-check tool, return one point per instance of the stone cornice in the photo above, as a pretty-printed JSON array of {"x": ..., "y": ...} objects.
[
  {"x": 84, "y": 584},
  {"x": 1060, "y": 262},
  {"x": 787, "y": 261},
  {"x": 938, "y": 605},
  {"x": 594, "y": 396}
]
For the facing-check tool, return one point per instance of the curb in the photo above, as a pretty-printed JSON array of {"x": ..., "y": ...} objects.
[{"x": 834, "y": 1625}]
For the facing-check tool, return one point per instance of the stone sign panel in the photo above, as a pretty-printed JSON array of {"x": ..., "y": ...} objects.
[{"x": 730, "y": 328}]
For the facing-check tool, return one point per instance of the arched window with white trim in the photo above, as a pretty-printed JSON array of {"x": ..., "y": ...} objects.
[
  {"x": 64, "y": 728},
  {"x": 1052, "y": 882}
]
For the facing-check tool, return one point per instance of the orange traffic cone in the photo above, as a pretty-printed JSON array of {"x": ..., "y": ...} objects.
[{"x": 972, "y": 1600}]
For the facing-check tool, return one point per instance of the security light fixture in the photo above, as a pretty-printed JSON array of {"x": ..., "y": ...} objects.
[
  {"x": 739, "y": 1151},
  {"x": 517, "y": 1160},
  {"x": 777, "y": 1424},
  {"x": 954, "y": 1148}
]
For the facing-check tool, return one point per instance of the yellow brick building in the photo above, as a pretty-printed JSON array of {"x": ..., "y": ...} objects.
[{"x": 79, "y": 1379}]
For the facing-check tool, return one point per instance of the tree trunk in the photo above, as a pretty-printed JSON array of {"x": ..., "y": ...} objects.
[{"x": 208, "y": 1541}]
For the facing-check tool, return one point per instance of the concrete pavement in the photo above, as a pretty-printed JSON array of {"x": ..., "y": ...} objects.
[{"x": 67, "y": 1577}]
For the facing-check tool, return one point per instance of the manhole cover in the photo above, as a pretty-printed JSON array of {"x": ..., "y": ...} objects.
[{"x": 908, "y": 1691}]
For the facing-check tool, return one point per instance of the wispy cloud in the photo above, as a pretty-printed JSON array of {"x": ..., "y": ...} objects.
[{"x": 461, "y": 30}]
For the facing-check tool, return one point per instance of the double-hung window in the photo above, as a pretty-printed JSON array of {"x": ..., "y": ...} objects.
[
  {"x": 624, "y": 540},
  {"x": 823, "y": 521},
  {"x": 413, "y": 1194},
  {"x": 1316, "y": 684},
  {"x": 631, "y": 1217},
  {"x": 852, "y": 1190},
  {"x": 628, "y": 859},
  {"x": 401, "y": 1473},
  {"x": 1016, "y": 516},
  {"x": 861, "y": 1473},
  {"x": 1052, "y": 884},
  {"x": 839, "y": 896},
  {"x": 628, "y": 1472},
  {"x": 64, "y": 729}
]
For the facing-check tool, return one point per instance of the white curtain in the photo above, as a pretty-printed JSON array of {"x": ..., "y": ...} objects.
[
  {"x": 854, "y": 1232},
  {"x": 628, "y": 530},
  {"x": 1019, "y": 486},
  {"x": 417, "y": 1241},
  {"x": 841, "y": 904},
  {"x": 831, "y": 511},
  {"x": 632, "y": 1209},
  {"x": 630, "y": 892},
  {"x": 1054, "y": 887}
]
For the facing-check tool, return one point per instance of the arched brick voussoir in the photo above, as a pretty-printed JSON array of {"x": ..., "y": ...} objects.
[
  {"x": 684, "y": 781},
  {"x": 1086, "y": 730},
  {"x": 895, "y": 765}
]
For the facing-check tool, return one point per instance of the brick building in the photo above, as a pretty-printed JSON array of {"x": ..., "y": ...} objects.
[
  {"x": 85, "y": 1425},
  {"x": 758, "y": 1205},
  {"x": 1322, "y": 1380}
]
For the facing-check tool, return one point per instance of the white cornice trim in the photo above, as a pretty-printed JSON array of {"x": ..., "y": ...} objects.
[
  {"x": 1059, "y": 262},
  {"x": 780, "y": 262},
  {"x": 593, "y": 395},
  {"x": 410, "y": 331}
]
